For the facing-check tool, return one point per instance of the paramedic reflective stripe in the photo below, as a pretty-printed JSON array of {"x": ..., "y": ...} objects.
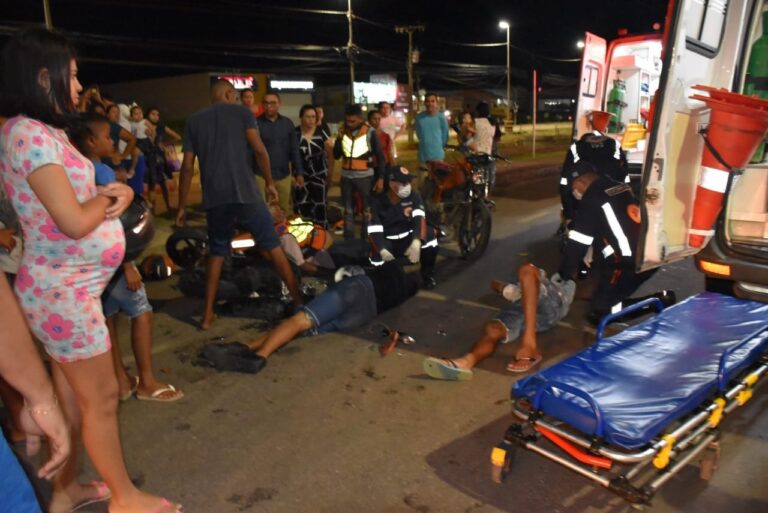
[
  {"x": 563, "y": 181},
  {"x": 575, "y": 153},
  {"x": 430, "y": 244},
  {"x": 626, "y": 179},
  {"x": 375, "y": 228},
  {"x": 580, "y": 237},
  {"x": 613, "y": 222},
  {"x": 713, "y": 179},
  {"x": 608, "y": 251},
  {"x": 616, "y": 308},
  {"x": 377, "y": 262},
  {"x": 399, "y": 236},
  {"x": 417, "y": 212},
  {"x": 617, "y": 148}
]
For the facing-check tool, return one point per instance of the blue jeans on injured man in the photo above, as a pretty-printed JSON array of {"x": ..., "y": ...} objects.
[
  {"x": 344, "y": 306},
  {"x": 555, "y": 298}
]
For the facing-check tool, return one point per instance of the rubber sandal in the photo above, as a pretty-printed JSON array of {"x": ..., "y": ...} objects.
[
  {"x": 103, "y": 494},
  {"x": 135, "y": 385},
  {"x": 445, "y": 369},
  {"x": 155, "y": 396},
  {"x": 165, "y": 504},
  {"x": 531, "y": 362}
]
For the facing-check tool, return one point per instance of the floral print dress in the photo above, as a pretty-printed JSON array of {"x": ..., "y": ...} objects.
[{"x": 60, "y": 280}]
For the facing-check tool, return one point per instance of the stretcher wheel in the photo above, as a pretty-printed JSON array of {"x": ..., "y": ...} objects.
[
  {"x": 709, "y": 459},
  {"x": 501, "y": 463}
]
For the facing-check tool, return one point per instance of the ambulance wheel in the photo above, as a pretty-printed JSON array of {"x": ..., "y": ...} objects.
[
  {"x": 709, "y": 459},
  {"x": 501, "y": 463},
  {"x": 187, "y": 247},
  {"x": 475, "y": 231}
]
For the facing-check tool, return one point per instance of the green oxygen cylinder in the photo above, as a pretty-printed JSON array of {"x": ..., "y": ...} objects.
[
  {"x": 616, "y": 104},
  {"x": 756, "y": 82}
]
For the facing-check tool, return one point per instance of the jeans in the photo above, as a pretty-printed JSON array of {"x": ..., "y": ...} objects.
[
  {"x": 16, "y": 495},
  {"x": 349, "y": 186},
  {"x": 344, "y": 306},
  {"x": 118, "y": 298}
]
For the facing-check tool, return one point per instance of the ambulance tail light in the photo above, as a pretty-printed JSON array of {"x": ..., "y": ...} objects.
[{"x": 714, "y": 268}]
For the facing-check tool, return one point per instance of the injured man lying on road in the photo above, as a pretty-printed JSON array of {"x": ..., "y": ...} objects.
[{"x": 358, "y": 296}]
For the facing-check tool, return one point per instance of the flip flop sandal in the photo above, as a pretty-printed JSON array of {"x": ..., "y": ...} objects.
[
  {"x": 165, "y": 506},
  {"x": 134, "y": 386},
  {"x": 530, "y": 363},
  {"x": 155, "y": 396},
  {"x": 441, "y": 368},
  {"x": 102, "y": 494}
]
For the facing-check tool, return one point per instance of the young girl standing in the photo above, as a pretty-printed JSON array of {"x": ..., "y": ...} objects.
[{"x": 73, "y": 242}]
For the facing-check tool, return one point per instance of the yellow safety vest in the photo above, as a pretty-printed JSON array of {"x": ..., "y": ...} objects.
[{"x": 356, "y": 150}]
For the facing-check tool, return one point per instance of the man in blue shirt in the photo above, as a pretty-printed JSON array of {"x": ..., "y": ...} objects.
[
  {"x": 432, "y": 131},
  {"x": 279, "y": 137}
]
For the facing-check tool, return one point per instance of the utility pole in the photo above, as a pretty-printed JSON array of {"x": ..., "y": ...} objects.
[
  {"x": 410, "y": 29},
  {"x": 350, "y": 55},
  {"x": 47, "y": 11}
]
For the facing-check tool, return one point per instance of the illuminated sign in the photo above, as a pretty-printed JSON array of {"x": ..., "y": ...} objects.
[
  {"x": 239, "y": 81},
  {"x": 366, "y": 92},
  {"x": 302, "y": 85}
]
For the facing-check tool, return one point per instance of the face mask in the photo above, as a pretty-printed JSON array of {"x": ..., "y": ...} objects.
[
  {"x": 578, "y": 195},
  {"x": 404, "y": 191}
]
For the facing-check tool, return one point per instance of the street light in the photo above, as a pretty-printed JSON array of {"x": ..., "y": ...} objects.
[
  {"x": 504, "y": 25},
  {"x": 579, "y": 44}
]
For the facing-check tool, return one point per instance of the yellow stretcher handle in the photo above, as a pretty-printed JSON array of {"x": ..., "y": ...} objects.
[
  {"x": 744, "y": 396},
  {"x": 662, "y": 459},
  {"x": 498, "y": 455},
  {"x": 717, "y": 414}
]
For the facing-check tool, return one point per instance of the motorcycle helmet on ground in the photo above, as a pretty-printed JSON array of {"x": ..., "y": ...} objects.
[
  {"x": 156, "y": 267},
  {"x": 138, "y": 227}
]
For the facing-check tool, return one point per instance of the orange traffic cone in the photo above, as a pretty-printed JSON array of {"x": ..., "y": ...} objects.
[
  {"x": 737, "y": 124},
  {"x": 600, "y": 120}
]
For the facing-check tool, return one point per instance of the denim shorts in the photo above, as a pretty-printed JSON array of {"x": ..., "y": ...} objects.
[
  {"x": 15, "y": 490},
  {"x": 554, "y": 301},
  {"x": 252, "y": 217},
  {"x": 344, "y": 306},
  {"x": 118, "y": 298}
]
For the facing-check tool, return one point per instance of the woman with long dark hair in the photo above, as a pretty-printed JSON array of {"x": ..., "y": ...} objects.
[
  {"x": 73, "y": 242},
  {"x": 311, "y": 198}
]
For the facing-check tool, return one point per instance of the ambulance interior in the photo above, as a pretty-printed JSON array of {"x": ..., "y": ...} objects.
[
  {"x": 633, "y": 78},
  {"x": 746, "y": 219}
]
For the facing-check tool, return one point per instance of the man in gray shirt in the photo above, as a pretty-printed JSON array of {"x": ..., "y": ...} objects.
[
  {"x": 282, "y": 143},
  {"x": 219, "y": 136}
]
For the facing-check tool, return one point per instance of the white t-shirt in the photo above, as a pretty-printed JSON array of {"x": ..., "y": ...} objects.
[
  {"x": 483, "y": 138},
  {"x": 139, "y": 129},
  {"x": 390, "y": 126}
]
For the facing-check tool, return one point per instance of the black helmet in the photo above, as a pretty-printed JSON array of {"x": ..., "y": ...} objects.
[
  {"x": 156, "y": 267},
  {"x": 138, "y": 227}
]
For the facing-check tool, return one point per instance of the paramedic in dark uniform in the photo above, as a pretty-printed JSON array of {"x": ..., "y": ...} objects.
[
  {"x": 600, "y": 150},
  {"x": 398, "y": 226},
  {"x": 607, "y": 219}
]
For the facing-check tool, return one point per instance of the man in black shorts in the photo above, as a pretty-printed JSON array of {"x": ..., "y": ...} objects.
[{"x": 220, "y": 136}]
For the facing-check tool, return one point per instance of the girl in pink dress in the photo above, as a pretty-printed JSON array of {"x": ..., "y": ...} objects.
[{"x": 73, "y": 242}]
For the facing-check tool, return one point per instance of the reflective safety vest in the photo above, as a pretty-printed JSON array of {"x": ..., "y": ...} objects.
[
  {"x": 356, "y": 150},
  {"x": 306, "y": 233}
]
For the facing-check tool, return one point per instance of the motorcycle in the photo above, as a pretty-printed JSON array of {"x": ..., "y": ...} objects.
[{"x": 456, "y": 199}]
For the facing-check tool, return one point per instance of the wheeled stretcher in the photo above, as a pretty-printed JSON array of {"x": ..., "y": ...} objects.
[{"x": 633, "y": 409}]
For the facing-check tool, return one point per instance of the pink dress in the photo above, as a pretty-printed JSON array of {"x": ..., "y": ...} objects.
[{"x": 60, "y": 279}]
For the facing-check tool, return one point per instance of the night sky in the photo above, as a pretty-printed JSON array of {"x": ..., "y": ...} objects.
[{"x": 122, "y": 40}]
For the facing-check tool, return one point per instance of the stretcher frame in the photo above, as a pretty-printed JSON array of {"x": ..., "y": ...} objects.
[{"x": 635, "y": 475}]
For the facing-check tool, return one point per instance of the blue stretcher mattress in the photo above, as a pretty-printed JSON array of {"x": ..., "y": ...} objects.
[{"x": 654, "y": 373}]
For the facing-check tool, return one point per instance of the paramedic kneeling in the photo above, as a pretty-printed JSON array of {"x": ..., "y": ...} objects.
[{"x": 399, "y": 227}]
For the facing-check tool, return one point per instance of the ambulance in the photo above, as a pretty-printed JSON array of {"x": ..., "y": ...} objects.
[{"x": 697, "y": 153}]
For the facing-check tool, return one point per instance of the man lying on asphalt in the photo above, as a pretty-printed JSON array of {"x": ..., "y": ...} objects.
[
  {"x": 608, "y": 217},
  {"x": 358, "y": 296}
]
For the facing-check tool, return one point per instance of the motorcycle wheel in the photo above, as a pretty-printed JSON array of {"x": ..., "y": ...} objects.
[
  {"x": 187, "y": 247},
  {"x": 475, "y": 230}
]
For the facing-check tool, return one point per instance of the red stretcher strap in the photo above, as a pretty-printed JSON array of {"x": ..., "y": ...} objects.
[{"x": 588, "y": 459}]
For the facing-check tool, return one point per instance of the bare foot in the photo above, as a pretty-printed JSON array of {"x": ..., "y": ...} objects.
[
  {"x": 207, "y": 321},
  {"x": 78, "y": 495},
  {"x": 141, "y": 502}
]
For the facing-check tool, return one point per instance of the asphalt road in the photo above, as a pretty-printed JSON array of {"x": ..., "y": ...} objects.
[{"x": 332, "y": 427}]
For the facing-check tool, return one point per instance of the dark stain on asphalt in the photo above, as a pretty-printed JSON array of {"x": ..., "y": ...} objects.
[
  {"x": 182, "y": 427},
  {"x": 244, "y": 502},
  {"x": 370, "y": 373},
  {"x": 390, "y": 391},
  {"x": 411, "y": 501},
  {"x": 420, "y": 388},
  {"x": 219, "y": 410}
]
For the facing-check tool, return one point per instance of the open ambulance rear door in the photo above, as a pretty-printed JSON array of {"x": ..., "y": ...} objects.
[
  {"x": 591, "y": 87},
  {"x": 702, "y": 44}
]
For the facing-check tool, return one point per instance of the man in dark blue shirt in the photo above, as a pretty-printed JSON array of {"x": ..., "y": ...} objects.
[{"x": 279, "y": 136}]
